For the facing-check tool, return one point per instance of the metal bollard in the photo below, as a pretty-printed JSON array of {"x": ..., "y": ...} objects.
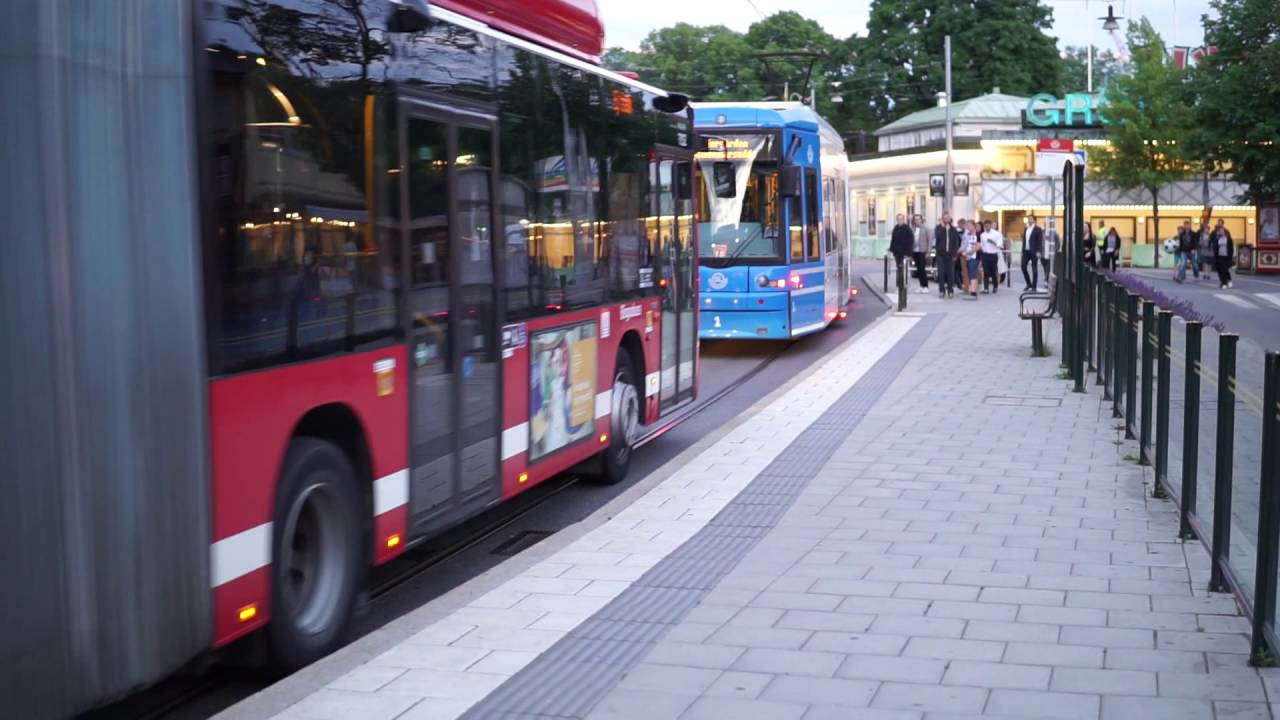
[
  {"x": 1132, "y": 328},
  {"x": 1100, "y": 320},
  {"x": 1190, "y": 430},
  {"x": 886, "y": 273},
  {"x": 1159, "y": 490},
  {"x": 1106, "y": 348},
  {"x": 1264, "y": 593},
  {"x": 902, "y": 285},
  {"x": 1148, "y": 331},
  {"x": 1224, "y": 453}
]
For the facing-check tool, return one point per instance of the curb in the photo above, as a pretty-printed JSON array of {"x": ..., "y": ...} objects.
[{"x": 872, "y": 287}]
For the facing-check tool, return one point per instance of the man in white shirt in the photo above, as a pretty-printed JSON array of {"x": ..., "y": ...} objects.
[{"x": 992, "y": 245}]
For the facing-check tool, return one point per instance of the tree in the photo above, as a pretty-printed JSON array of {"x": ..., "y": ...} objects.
[
  {"x": 704, "y": 62},
  {"x": 1238, "y": 93},
  {"x": 1148, "y": 118},
  {"x": 994, "y": 43},
  {"x": 1075, "y": 69}
]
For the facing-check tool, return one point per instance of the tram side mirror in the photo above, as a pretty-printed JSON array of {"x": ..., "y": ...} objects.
[
  {"x": 408, "y": 16},
  {"x": 725, "y": 177},
  {"x": 789, "y": 180},
  {"x": 684, "y": 183}
]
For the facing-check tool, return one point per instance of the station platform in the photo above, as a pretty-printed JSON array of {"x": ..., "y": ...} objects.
[{"x": 930, "y": 525}]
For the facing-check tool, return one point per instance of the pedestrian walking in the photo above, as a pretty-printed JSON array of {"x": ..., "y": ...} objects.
[
  {"x": 946, "y": 246},
  {"x": 971, "y": 251},
  {"x": 1206, "y": 251},
  {"x": 900, "y": 244},
  {"x": 1224, "y": 253},
  {"x": 1090, "y": 246},
  {"x": 1032, "y": 249},
  {"x": 920, "y": 251},
  {"x": 1188, "y": 252},
  {"x": 1111, "y": 250},
  {"x": 992, "y": 252}
]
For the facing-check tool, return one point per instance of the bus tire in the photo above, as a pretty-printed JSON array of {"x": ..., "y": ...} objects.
[
  {"x": 317, "y": 561},
  {"x": 624, "y": 422}
]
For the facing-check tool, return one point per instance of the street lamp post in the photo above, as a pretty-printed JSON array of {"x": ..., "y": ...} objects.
[{"x": 946, "y": 183}]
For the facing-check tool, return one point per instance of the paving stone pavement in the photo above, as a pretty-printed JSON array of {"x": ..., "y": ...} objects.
[{"x": 976, "y": 545}]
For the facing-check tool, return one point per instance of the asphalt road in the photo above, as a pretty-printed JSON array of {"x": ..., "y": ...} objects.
[
  {"x": 733, "y": 375},
  {"x": 1251, "y": 308}
]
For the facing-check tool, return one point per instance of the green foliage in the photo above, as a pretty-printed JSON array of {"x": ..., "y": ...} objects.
[
  {"x": 1238, "y": 95},
  {"x": 1150, "y": 121},
  {"x": 994, "y": 43},
  {"x": 1075, "y": 69}
]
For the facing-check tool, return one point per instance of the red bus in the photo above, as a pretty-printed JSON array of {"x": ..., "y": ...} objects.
[{"x": 393, "y": 263}]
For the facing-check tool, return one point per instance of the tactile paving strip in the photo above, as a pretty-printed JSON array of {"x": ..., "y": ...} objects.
[{"x": 572, "y": 676}]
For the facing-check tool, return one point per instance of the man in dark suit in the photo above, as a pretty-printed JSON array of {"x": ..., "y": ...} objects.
[
  {"x": 1032, "y": 251},
  {"x": 900, "y": 242},
  {"x": 946, "y": 243}
]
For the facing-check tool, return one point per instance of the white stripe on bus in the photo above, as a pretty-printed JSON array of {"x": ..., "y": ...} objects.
[
  {"x": 808, "y": 271},
  {"x": 808, "y": 290},
  {"x": 466, "y": 22},
  {"x": 240, "y": 554},
  {"x": 391, "y": 491},
  {"x": 807, "y": 328},
  {"x": 515, "y": 440}
]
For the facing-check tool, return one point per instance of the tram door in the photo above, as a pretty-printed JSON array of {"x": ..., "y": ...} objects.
[
  {"x": 671, "y": 202},
  {"x": 455, "y": 407}
]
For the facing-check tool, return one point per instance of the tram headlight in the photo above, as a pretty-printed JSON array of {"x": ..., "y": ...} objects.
[{"x": 762, "y": 280}]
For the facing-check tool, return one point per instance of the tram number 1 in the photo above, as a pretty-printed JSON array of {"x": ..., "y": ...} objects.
[{"x": 717, "y": 321}]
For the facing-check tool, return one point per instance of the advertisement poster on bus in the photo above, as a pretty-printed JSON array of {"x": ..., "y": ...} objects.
[{"x": 562, "y": 382}]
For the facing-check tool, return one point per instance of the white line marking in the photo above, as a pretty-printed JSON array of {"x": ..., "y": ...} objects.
[
  {"x": 632, "y": 541},
  {"x": 1235, "y": 300},
  {"x": 1273, "y": 298},
  {"x": 604, "y": 403},
  {"x": 515, "y": 440},
  {"x": 391, "y": 491},
  {"x": 653, "y": 526},
  {"x": 239, "y": 555}
]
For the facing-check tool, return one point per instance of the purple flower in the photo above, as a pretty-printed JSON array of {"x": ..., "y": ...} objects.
[{"x": 1181, "y": 307}]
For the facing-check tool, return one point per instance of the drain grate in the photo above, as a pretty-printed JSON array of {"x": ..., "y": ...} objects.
[
  {"x": 520, "y": 542},
  {"x": 1038, "y": 401}
]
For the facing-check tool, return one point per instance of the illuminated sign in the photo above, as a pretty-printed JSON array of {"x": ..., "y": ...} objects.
[
  {"x": 1077, "y": 110},
  {"x": 726, "y": 149}
]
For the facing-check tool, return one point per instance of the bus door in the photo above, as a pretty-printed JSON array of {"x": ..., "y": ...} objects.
[
  {"x": 447, "y": 167},
  {"x": 671, "y": 202}
]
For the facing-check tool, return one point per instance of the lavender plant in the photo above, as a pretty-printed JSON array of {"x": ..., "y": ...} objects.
[{"x": 1181, "y": 307}]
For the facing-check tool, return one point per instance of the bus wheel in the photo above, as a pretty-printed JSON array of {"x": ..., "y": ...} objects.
[
  {"x": 624, "y": 422},
  {"x": 317, "y": 560}
]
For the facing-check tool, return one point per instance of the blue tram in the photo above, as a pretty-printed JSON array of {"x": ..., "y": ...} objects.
[{"x": 773, "y": 229}]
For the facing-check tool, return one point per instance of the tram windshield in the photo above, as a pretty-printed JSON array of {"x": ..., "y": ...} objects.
[{"x": 738, "y": 198}]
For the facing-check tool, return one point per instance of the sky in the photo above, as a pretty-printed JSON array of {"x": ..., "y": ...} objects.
[{"x": 626, "y": 22}]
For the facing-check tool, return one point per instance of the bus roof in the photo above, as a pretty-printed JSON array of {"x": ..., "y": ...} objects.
[
  {"x": 570, "y": 26},
  {"x": 765, "y": 114}
]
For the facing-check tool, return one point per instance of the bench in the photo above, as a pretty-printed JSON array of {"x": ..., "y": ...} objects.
[{"x": 1038, "y": 306}]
